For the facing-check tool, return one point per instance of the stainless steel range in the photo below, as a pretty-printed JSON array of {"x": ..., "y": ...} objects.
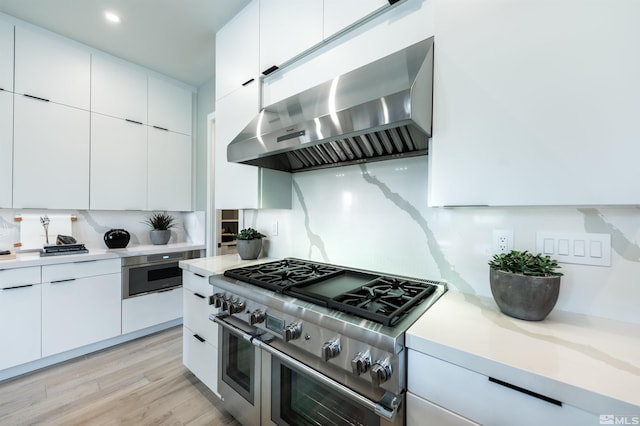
[{"x": 311, "y": 343}]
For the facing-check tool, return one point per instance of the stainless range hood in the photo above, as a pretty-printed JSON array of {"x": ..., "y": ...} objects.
[{"x": 379, "y": 111}]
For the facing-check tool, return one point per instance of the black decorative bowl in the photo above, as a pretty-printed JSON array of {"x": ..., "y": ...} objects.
[{"x": 117, "y": 238}]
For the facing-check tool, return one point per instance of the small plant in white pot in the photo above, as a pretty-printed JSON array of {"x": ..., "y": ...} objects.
[
  {"x": 161, "y": 224},
  {"x": 524, "y": 285},
  {"x": 249, "y": 243}
]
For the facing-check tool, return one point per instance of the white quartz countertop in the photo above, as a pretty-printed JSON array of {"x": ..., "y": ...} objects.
[
  {"x": 588, "y": 362},
  {"x": 214, "y": 265},
  {"x": 33, "y": 258}
]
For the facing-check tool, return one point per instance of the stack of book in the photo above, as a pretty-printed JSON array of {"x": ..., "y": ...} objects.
[{"x": 60, "y": 249}]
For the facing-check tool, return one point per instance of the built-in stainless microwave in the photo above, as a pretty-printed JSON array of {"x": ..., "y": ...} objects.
[{"x": 152, "y": 273}]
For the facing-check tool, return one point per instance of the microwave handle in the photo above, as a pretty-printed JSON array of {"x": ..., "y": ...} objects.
[{"x": 387, "y": 407}]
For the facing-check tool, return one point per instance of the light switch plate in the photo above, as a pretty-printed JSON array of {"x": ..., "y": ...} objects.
[{"x": 583, "y": 249}]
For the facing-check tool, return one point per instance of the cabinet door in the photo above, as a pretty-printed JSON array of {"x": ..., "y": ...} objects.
[
  {"x": 341, "y": 14},
  {"x": 533, "y": 118},
  {"x": 51, "y": 155},
  {"x": 169, "y": 171},
  {"x": 78, "y": 312},
  {"x": 200, "y": 356},
  {"x": 50, "y": 68},
  {"x": 20, "y": 319},
  {"x": 236, "y": 184},
  {"x": 287, "y": 29},
  {"x": 419, "y": 409},
  {"x": 6, "y": 148},
  {"x": 6, "y": 56},
  {"x": 118, "y": 89},
  {"x": 237, "y": 51},
  {"x": 118, "y": 164},
  {"x": 151, "y": 309},
  {"x": 169, "y": 106}
]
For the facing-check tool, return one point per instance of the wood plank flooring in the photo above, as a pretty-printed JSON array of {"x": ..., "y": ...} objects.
[{"x": 142, "y": 382}]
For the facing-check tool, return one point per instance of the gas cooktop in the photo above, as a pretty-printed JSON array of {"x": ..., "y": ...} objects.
[{"x": 383, "y": 299}]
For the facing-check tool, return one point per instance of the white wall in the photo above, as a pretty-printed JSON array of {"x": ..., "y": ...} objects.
[{"x": 376, "y": 216}]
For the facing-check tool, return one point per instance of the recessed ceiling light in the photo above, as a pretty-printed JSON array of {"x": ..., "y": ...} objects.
[{"x": 112, "y": 17}]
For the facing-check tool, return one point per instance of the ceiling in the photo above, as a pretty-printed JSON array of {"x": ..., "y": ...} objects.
[{"x": 173, "y": 37}]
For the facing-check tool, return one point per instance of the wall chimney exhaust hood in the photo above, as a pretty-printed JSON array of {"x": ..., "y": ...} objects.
[{"x": 380, "y": 111}]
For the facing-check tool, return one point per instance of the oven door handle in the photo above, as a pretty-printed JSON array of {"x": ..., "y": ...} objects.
[
  {"x": 387, "y": 407},
  {"x": 233, "y": 329}
]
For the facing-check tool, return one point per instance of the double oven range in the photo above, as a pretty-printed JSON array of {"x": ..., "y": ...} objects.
[{"x": 308, "y": 343}]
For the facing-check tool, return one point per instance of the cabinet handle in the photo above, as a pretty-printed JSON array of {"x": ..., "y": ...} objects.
[
  {"x": 161, "y": 128},
  {"x": 248, "y": 82},
  {"x": 199, "y": 338},
  {"x": 63, "y": 281},
  {"x": 526, "y": 391},
  {"x": 132, "y": 121},
  {"x": 270, "y": 70},
  {"x": 392, "y": 2},
  {"x": 36, "y": 98},
  {"x": 198, "y": 275},
  {"x": 199, "y": 295},
  {"x": 18, "y": 286}
]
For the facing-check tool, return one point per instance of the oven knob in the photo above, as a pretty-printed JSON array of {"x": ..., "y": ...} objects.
[
  {"x": 226, "y": 303},
  {"x": 293, "y": 331},
  {"x": 217, "y": 300},
  {"x": 380, "y": 372},
  {"x": 361, "y": 363},
  {"x": 236, "y": 307},
  {"x": 257, "y": 317},
  {"x": 331, "y": 349}
]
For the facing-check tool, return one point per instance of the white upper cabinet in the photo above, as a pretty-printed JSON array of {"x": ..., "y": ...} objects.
[
  {"x": 287, "y": 29},
  {"x": 237, "y": 50},
  {"x": 6, "y": 148},
  {"x": 169, "y": 171},
  {"x": 51, "y": 155},
  {"x": 535, "y": 104},
  {"x": 118, "y": 164},
  {"x": 118, "y": 89},
  {"x": 169, "y": 106},
  {"x": 341, "y": 14},
  {"x": 6, "y": 56},
  {"x": 48, "y": 68}
]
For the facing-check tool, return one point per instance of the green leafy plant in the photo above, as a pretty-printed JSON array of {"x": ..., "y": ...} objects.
[
  {"x": 525, "y": 263},
  {"x": 249, "y": 234},
  {"x": 160, "y": 221}
]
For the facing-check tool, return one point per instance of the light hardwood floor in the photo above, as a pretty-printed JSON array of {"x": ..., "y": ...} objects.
[{"x": 142, "y": 382}]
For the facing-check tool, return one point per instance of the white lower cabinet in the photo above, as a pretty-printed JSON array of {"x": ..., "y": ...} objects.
[
  {"x": 6, "y": 149},
  {"x": 151, "y": 309},
  {"x": 80, "y": 304},
  {"x": 200, "y": 334},
  {"x": 20, "y": 317},
  {"x": 420, "y": 411},
  {"x": 462, "y": 396}
]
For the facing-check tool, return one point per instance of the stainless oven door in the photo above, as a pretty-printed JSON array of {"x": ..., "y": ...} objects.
[
  {"x": 299, "y": 395},
  {"x": 239, "y": 372}
]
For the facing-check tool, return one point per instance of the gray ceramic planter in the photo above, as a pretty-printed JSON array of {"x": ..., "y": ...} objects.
[
  {"x": 159, "y": 237},
  {"x": 524, "y": 297},
  {"x": 249, "y": 249}
]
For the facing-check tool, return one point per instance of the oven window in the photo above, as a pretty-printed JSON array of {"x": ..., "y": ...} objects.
[
  {"x": 164, "y": 273},
  {"x": 305, "y": 402},
  {"x": 237, "y": 365}
]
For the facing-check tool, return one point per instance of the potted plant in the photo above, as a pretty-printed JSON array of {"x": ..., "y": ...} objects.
[
  {"x": 249, "y": 243},
  {"x": 161, "y": 224},
  {"x": 524, "y": 285}
]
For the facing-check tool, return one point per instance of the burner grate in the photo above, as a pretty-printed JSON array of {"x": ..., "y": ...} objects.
[{"x": 384, "y": 300}]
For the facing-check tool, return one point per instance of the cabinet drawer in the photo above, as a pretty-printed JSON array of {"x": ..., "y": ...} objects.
[
  {"x": 474, "y": 396},
  {"x": 196, "y": 315},
  {"x": 19, "y": 276},
  {"x": 87, "y": 268},
  {"x": 201, "y": 358},
  {"x": 418, "y": 410},
  {"x": 151, "y": 309},
  {"x": 196, "y": 283}
]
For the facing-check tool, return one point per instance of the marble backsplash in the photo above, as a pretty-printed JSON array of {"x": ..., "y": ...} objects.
[
  {"x": 376, "y": 217},
  {"x": 90, "y": 226}
]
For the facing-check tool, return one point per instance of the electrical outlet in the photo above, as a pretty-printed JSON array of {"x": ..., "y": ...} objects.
[{"x": 502, "y": 241}]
